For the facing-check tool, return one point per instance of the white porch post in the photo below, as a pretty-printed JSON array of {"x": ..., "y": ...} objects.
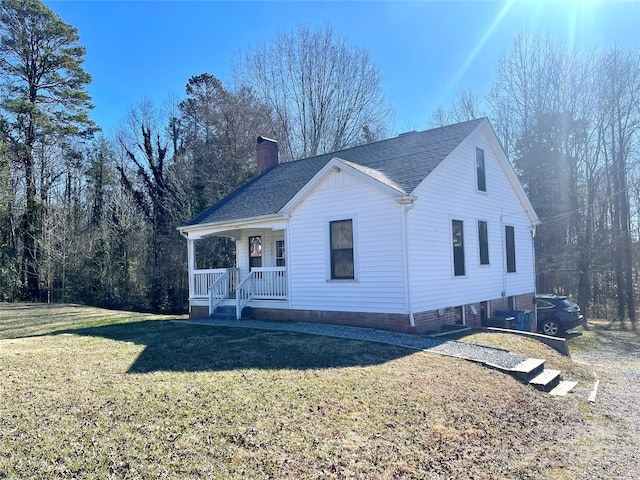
[
  {"x": 287, "y": 256},
  {"x": 191, "y": 258}
]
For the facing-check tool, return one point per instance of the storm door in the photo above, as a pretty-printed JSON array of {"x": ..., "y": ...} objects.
[{"x": 255, "y": 252}]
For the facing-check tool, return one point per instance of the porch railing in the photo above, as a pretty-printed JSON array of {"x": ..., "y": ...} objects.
[
  {"x": 244, "y": 294},
  {"x": 265, "y": 283},
  {"x": 270, "y": 283},
  {"x": 218, "y": 291},
  {"x": 204, "y": 279}
]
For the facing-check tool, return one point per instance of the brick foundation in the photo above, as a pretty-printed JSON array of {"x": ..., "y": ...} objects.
[
  {"x": 199, "y": 312},
  {"x": 382, "y": 321},
  {"x": 428, "y": 321}
]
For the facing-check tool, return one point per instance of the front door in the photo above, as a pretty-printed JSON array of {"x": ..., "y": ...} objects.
[{"x": 255, "y": 252}]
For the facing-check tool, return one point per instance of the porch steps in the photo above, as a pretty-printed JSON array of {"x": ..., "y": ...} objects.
[
  {"x": 224, "y": 312},
  {"x": 547, "y": 380},
  {"x": 527, "y": 370},
  {"x": 532, "y": 371},
  {"x": 228, "y": 312},
  {"x": 564, "y": 387}
]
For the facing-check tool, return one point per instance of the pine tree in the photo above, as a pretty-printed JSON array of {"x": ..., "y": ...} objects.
[{"x": 44, "y": 98}]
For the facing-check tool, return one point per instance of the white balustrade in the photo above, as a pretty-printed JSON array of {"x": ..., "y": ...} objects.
[
  {"x": 270, "y": 283},
  {"x": 204, "y": 279}
]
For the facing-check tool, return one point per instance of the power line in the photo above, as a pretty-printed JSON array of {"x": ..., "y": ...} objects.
[{"x": 595, "y": 202}]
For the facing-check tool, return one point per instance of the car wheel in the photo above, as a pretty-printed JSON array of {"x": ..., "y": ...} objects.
[{"x": 550, "y": 327}]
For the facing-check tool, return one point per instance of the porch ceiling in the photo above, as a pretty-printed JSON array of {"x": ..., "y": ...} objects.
[
  {"x": 234, "y": 234},
  {"x": 233, "y": 229}
]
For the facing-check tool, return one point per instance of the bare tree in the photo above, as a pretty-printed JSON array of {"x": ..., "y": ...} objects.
[
  {"x": 467, "y": 105},
  {"x": 322, "y": 91},
  {"x": 218, "y": 129},
  {"x": 619, "y": 73},
  {"x": 144, "y": 173},
  {"x": 570, "y": 122}
]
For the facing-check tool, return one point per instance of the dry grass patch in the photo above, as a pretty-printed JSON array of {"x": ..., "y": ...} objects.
[
  {"x": 532, "y": 348},
  {"x": 157, "y": 399},
  {"x": 30, "y": 319},
  {"x": 603, "y": 335}
]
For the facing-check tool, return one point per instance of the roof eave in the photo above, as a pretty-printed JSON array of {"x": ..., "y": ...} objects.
[{"x": 227, "y": 225}]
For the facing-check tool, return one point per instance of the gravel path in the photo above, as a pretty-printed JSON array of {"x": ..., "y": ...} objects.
[
  {"x": 476, "y": 353},
  {"x": 617, "y": 367}
]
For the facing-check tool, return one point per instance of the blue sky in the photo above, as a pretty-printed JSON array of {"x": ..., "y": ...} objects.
[{"x": 425, "y": 51}]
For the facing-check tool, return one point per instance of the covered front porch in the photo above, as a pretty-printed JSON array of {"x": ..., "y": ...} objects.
[{"x": 258, "y": 279}]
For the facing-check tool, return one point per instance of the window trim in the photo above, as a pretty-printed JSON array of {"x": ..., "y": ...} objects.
[
  {"x": 481, "y": 173},
  {"x": 488, "y": 262},
  {"x": 510, "y": 249},
  {"x": 354, "y": 250},
  {"x": 283, "y": 258},
  {"x": 455, "y": 249}
]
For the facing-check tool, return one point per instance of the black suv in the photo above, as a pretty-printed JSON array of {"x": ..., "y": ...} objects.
[{"x": 556, "y": 314}]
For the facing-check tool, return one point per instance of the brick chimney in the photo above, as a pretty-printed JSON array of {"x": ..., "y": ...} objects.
[{"x": 266, "y": 154}]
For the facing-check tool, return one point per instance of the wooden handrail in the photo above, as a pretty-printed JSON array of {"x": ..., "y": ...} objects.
[
  {"x": 218, "y": 291},
  {"x": 244, "y": 294}
]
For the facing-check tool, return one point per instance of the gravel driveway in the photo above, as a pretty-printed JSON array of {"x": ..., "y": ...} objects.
[{"x": 615, "y": 451}]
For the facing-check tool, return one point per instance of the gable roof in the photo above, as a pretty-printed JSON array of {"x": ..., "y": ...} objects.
[{"x": 400, "y": 162}]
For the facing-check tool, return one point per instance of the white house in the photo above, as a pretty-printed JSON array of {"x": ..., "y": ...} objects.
[{"x": 403, "y": 234}]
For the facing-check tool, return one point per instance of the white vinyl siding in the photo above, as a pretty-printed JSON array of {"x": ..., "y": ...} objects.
[
  {"x": 378, "y": 260},
  {"x": 450, "y": 193}
]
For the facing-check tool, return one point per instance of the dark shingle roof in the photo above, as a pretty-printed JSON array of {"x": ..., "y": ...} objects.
[{"x": 401, "y": 162}]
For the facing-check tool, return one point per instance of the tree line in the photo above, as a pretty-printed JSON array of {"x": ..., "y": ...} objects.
[
  {"x": 92, "y": 219},
  {"x": 569, "y": 120}
]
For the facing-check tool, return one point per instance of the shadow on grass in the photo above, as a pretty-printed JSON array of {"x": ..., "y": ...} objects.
[
  {"x": 171, "y": 346},
  {"x": 608, "y": 335},
  {"x": 572, "y": 335}
]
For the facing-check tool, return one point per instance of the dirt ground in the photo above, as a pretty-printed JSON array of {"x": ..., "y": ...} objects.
[{"x": 615, "y": 360}]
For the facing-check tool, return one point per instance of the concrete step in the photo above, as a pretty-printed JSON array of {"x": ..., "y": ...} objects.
[
  {"x": 530, "y": 368},
  {"x": 225, "y": 310},
  {"x": 546, "y": 381},
  {"x": 217, "y": 316},
  {"x": 564, "y": 387},
  {"x": 228, "y": 312}
]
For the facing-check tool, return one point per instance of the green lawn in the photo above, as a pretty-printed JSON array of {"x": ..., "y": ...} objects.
[{"x": 90, "y": 393}]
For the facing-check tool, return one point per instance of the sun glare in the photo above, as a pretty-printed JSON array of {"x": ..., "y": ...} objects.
[
  {"x": 481, "y": 43},
  {"x": 574, "y": 21}
]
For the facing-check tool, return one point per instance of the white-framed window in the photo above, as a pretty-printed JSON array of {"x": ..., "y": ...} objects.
[
  {"x": 457, "y": 237},
  {"x": 481, "y": 173},
  {"x": 341, "y": 250},
  {"x": 280, "y": 254},
  {"x": 510, "y": 247},
  {"x": 483, "y": 242}
]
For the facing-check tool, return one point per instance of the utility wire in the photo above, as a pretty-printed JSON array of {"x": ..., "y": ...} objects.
[{"x": 584, "y": 207}]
